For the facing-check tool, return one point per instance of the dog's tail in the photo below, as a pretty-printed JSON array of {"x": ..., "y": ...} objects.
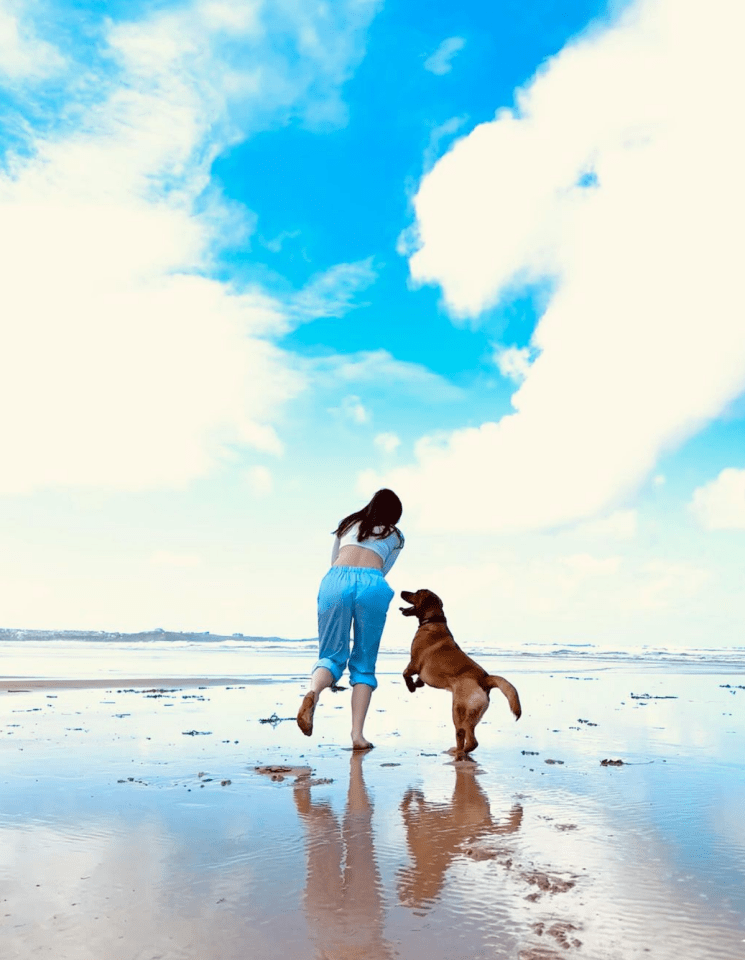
[{"x": 508, "y": 690}]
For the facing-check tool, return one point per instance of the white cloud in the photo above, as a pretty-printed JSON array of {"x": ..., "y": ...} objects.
[
  {"x": 275, "y": 244},
  {"x": 643, "y": 339},
  {"x": 490, "y": 599},
  {"x": 378, "y": 369},
  {"x": 23, "y": 55},
  {"x": 352, "y": 408},
  {"x": 443, "y": 132},
  {"x": 720, "y": 504},
  {"x": 168, "y": 558},
  {"x": 584, "y": 565},
  {"x": 507, "y": 592},
  {"x": 333, "y": 292},
  {"x": 665, "y": 583},
  {"x": 122, "y": 364},
  {"x": 620, "y": 525},
  {"x": 387, "y": 442},
  {"x": 441, "y": 61},
  {"x": 261, "y": 481},
  {"x": 513, "y": 362}
]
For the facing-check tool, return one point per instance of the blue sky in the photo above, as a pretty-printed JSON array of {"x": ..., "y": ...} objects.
[{"x": 261, "y": 258}]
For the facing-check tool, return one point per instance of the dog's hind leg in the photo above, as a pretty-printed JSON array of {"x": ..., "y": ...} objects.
[
  {"x": 460, "y": 714},
  {"x": 476, "y": 706}
]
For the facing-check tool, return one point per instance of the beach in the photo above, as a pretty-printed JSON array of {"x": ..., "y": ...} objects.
[{"x": 183, "y": 816}]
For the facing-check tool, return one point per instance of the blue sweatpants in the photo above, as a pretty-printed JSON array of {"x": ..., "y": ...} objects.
[{"x": 352, "y": 597}]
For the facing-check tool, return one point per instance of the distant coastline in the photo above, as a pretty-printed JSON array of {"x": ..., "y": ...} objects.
[{"x": 143, "y": 636}]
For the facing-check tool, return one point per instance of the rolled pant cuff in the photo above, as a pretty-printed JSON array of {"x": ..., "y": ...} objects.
[
  {"x": 367, "y": 678},
  {"x": 333, "y": 668}
]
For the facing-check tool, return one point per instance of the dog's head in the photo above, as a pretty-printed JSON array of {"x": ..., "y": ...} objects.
[{"x": 424, "y": 604}]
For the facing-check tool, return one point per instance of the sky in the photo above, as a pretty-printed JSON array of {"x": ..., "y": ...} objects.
[{"x": 262, "y": 257}]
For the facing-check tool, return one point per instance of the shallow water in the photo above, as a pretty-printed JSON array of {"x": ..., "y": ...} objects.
[{"x": 118, "y": 839}]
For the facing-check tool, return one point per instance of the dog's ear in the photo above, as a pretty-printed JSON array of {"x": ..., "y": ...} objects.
[{"x": 429, "y": 604}]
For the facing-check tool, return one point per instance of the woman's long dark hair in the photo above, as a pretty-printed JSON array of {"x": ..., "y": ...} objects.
[{"x": 384, "y": 510}]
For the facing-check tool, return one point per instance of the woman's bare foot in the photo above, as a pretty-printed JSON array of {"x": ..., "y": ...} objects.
[
  {"x": 359, "y": 743},
  {"x": 305, "y": 713}
]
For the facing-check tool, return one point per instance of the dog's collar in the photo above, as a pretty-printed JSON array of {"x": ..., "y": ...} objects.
[{"x": 438, "y": 618}]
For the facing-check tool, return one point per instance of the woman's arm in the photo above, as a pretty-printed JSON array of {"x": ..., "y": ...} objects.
[
  {"x": 393, "y": 556},
  {"x": 335, "y": 550}
]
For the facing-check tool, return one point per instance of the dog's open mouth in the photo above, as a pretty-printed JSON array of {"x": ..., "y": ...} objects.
[{"x": 408, "y": 596}]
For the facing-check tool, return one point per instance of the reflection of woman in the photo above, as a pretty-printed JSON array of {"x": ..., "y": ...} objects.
[
  {"x": 354, "y": 592},
  {"x": 343, "y": 899}
]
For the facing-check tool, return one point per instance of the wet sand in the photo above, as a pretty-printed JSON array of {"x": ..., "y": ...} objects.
[
  {"x": 10, "y": 685},
  {"x": 189, "y": 819}
]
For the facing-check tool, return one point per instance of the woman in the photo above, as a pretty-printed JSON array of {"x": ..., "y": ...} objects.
[{"x": 354, "y": 592}]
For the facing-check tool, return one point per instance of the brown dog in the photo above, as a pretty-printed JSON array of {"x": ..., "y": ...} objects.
[{"x": 438, "y": 661}]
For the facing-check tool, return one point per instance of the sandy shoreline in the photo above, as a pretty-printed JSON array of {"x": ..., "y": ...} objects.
[
  {"x": 13, "y": 685},
  {"x": 150, "y": 818}
]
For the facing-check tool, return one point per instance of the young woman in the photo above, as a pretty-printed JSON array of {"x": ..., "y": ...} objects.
[{"x": 354, "y": 592}]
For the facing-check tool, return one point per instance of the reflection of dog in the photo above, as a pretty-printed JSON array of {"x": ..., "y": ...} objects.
[
  {"x": 438, "y": 661},
  {"x": 436, "y": 833}
]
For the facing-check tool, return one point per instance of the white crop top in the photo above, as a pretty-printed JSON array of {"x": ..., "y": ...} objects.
[{"x": 387, "y": 548}]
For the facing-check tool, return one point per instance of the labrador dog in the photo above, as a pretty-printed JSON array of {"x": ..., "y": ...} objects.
[{"x": 438, "y": 661}]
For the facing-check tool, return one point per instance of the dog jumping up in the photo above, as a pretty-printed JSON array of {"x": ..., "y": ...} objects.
[{"x": 438, "y": 661}]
